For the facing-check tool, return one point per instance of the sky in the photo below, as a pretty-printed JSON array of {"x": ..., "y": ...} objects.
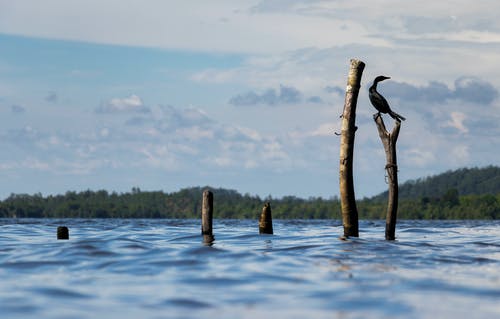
[{"x": 240, "y": 94}]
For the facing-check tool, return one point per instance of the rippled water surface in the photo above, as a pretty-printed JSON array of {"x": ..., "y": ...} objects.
[{"x": 162, "y": 269}]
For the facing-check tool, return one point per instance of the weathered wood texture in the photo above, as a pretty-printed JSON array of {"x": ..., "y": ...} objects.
[
  {"x": 207, "y": 212},
  {"x": 389, "y": 141},
  {"x": 347, "y": 197},
  {"x": 266, "y": 220}
]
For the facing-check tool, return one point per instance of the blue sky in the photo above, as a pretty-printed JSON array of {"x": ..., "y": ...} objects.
[{"x": 247, "y": 95}]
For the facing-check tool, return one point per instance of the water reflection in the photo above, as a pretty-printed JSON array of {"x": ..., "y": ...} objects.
[{"x": 268, "y": 245}]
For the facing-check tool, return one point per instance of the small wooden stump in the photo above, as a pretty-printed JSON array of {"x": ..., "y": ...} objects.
[
  {"x": 389, "y": 142},
  {"x": 266, "y": 220},
  {"x": 62, "y": 232},
  {"x": 207, "y": 212}
]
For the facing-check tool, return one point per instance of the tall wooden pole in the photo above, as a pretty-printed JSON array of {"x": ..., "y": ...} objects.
[
  {"x": 389, "y": 141},
  {"x": 207, "y": 211},
  {"x": 347, "y": 197}
]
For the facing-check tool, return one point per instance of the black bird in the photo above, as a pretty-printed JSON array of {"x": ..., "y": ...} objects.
[{"x": 379, "y": 102}]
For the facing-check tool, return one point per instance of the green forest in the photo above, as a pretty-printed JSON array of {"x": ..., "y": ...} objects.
[{"x": 468, "y": 193}]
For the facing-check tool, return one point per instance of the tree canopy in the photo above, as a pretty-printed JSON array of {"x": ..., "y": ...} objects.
[{"x": 462, "y": 194}]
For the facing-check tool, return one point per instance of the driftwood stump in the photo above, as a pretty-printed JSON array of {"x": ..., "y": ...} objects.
[
  {"x": 266, "y": 220},
  {"x": 347, "y": 197},
  {"x": 62, "y": 232},
  {"x": 389, "y": 141}
]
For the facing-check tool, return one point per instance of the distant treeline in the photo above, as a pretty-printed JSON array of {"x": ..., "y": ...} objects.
[
  {"x": 186, "y": 203},
  {"x": 466, "y": 181},
  {"x": 468, "y": 193}
]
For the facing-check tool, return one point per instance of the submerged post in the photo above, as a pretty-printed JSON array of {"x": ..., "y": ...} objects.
[
  {"x": 207, "y": 209},
  {"x": 266, "y": 220},
  {"x": 62, "y": 232},
  {"x": 389, "y": 141},
  {"x": 347, "y": 198}
]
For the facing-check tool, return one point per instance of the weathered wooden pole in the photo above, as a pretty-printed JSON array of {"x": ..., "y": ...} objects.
[
  {"x": 347, "y": 198},
  {"x": 266, "y": 220},
  {"x": 207, "y": 212},
  {"x": 389, "y": 141},
  {"x": 62, "y": 232}
]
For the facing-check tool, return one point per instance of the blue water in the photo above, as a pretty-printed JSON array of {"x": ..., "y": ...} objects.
[{"x": 162, "y": 269}]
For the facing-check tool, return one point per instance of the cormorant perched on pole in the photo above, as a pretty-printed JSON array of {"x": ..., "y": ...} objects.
[{"x": 379, "y": 102}]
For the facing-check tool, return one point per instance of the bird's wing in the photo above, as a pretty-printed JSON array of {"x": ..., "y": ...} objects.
[{"x": 379, "y": 102}]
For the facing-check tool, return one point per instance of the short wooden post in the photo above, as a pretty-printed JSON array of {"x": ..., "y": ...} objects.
[
  {"x": 266, "y": 220},
  {"x": 389, "y": 141},
  {"x": 347, "y": 197},
  {"x": 62, "y": 232},
  {"x": 207, "y": 210}
]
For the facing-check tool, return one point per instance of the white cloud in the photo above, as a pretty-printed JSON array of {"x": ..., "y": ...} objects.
[
  {"x": 34, "y": 164},
  {"x": 325, "y": 129},
  {"x": 457, "y": 122},
  {"x": 285, "y": 95},
  {"x": 226, "y": 26},
  {"x": 133, "y": 103},
  {"x": 174, "y": 139},
  {"x": 56, "y": 166},
  {"x": 160, "y": 156},
  {"x": 419, "y": 157},
  {"x": 222, "y": 161},
  {"x": 194, "y": 133},
  {"x": 467, "y": 89},
  {"x": 250, "y": 133}
]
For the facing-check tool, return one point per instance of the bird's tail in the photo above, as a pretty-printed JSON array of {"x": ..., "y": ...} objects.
[{"x": 396, "y": 116}]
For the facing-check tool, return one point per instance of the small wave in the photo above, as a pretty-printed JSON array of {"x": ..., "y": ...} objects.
[
  {"x": 30, "y": 265},
  {"x": 60, "y": 293},
  {"x": 187, "y": 303}
]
